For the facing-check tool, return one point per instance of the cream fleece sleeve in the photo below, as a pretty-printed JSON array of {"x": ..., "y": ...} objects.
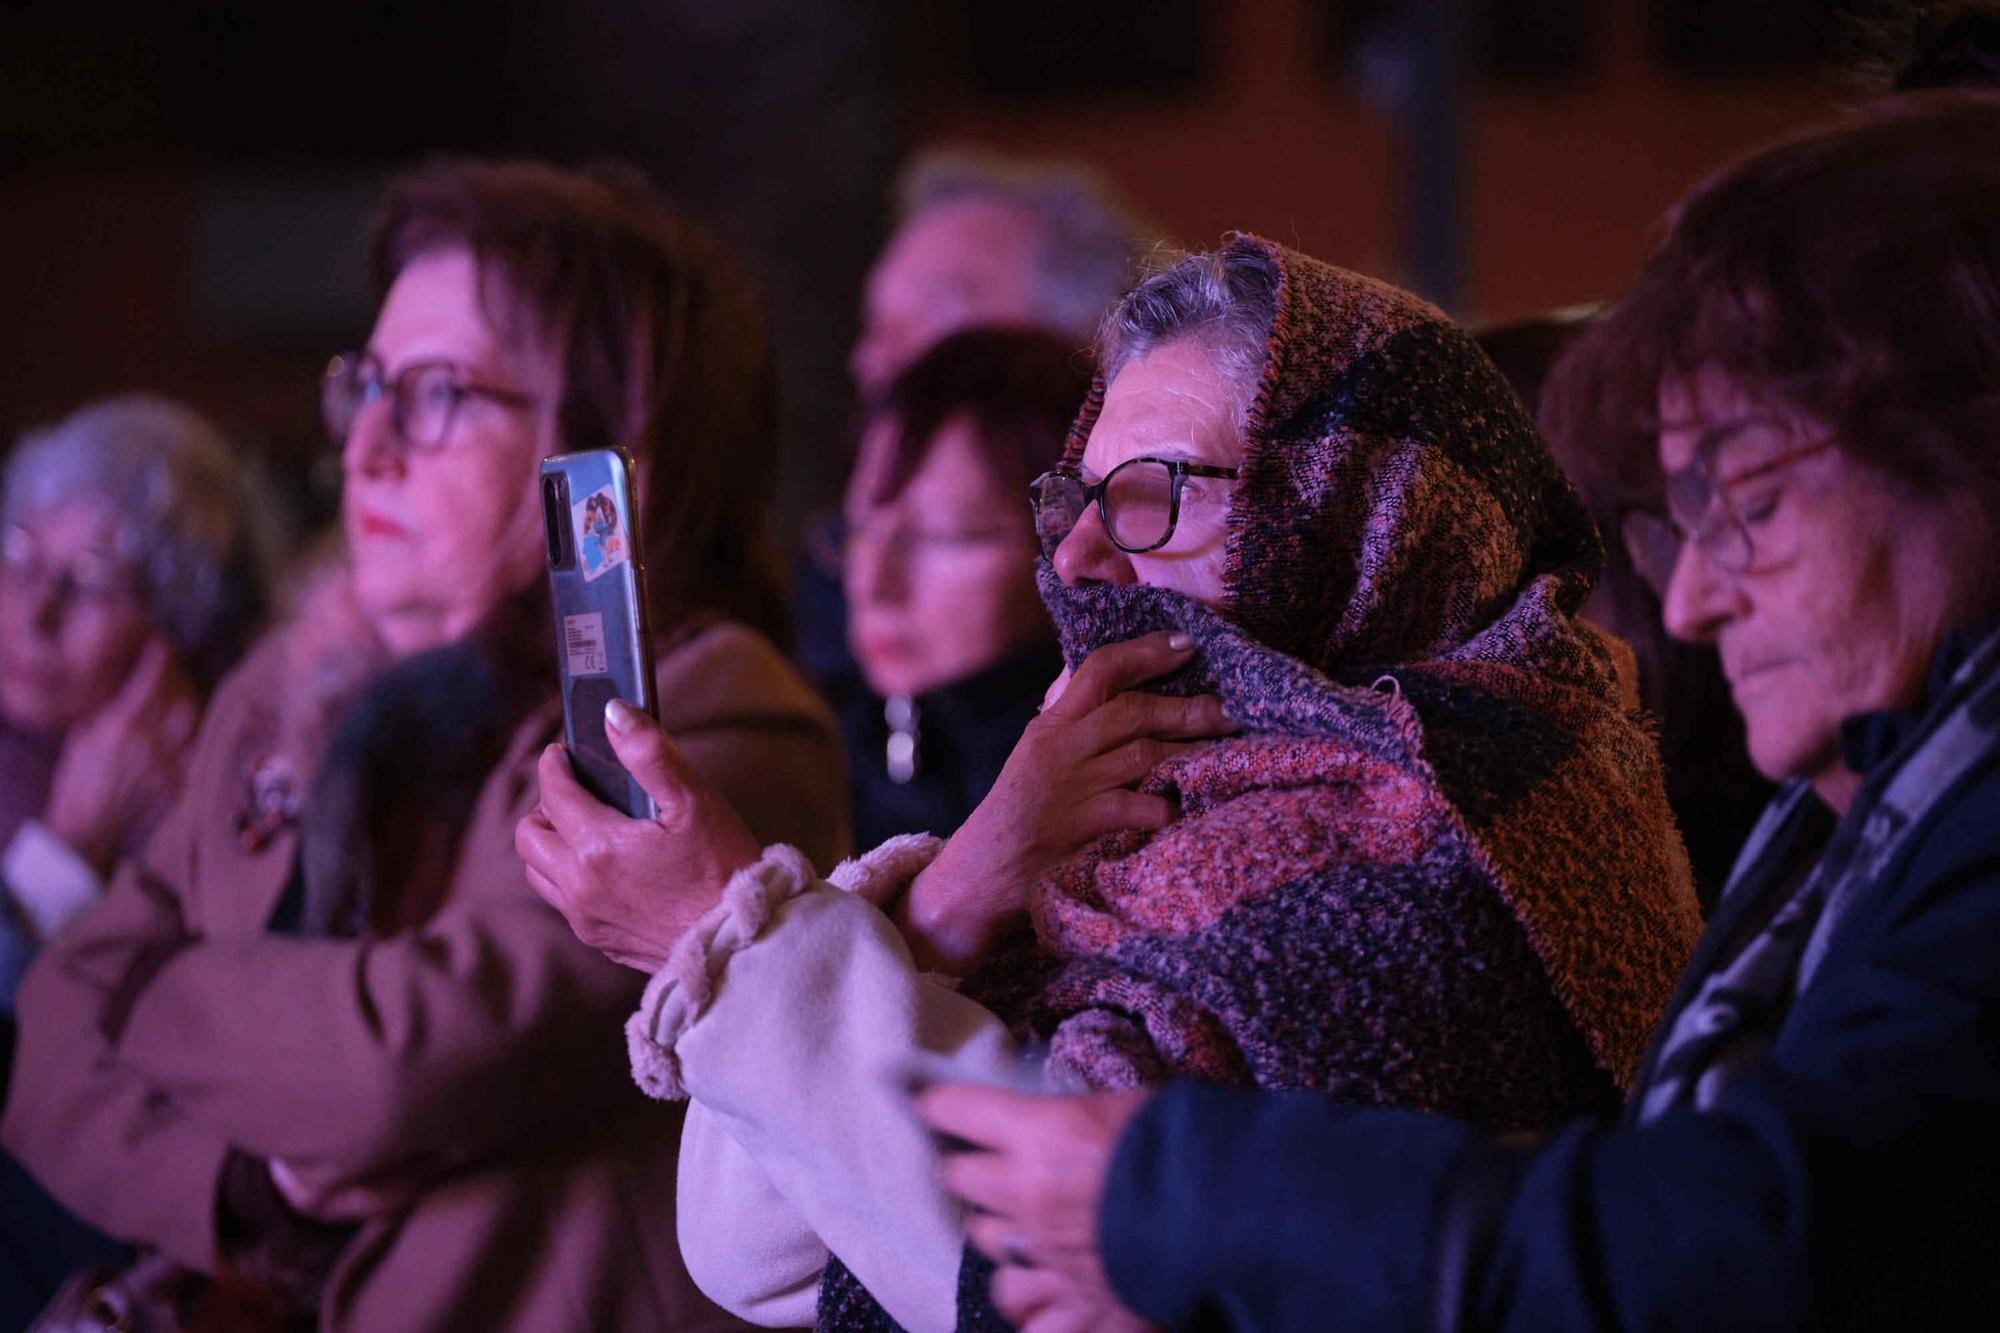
[
  {"x": 51, "y": 884},
  {"x": 787, "y": 1016}
]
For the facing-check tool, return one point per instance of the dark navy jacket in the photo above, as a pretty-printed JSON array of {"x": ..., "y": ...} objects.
[{"x": 1851, "y": 1179}]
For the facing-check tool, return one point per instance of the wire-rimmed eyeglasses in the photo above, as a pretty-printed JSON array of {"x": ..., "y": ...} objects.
[{"x": 1700, "y": 509}]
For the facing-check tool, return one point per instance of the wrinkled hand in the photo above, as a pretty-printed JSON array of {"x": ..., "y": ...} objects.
[
  {"x": 329, "y": 1196},
  {"x": 1036, "y": 1174},
  {"x": 121, "y": 765},
  {"x": 630, "y": 887},
  {"x": 1068, "y": 782}
]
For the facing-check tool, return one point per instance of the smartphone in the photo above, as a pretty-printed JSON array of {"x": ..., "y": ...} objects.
[
  {"x": 922, "y": 1069},
  {"x": 597, "y": 589}
]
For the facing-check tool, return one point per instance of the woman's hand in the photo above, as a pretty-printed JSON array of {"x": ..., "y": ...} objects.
[
  {"x": 120, "y": 765},
  {"x": 1068, "y": 782},
  {"x": 630, "y": 887},
  {"x": 1036, "y": 1174}
]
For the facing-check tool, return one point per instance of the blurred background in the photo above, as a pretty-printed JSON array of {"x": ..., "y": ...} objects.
[{"x": 184, "y": 186}]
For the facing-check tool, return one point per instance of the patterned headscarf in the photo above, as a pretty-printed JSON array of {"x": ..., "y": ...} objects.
[{"x": 1433, "y": 743}]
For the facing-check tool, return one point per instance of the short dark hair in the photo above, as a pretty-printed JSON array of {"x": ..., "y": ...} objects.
[
  {"x": 1019, "y": 388},
  {"x": 1851, "y": 274},
  {"x": 661, "y": 343}
]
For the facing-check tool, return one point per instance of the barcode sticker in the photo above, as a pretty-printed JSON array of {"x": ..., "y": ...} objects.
[{"x": 583, "y": 644}]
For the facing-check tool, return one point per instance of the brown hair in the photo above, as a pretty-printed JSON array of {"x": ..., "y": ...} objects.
[
  {"x": 1019, "y": 388},
  {"x": 661, "y": 345},
  {"x": 1851, "y": 274}
]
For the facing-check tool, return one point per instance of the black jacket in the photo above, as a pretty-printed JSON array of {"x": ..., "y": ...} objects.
[
  {"x": 1850, "y": 1178},
  {"x": 966, "y": 731}
]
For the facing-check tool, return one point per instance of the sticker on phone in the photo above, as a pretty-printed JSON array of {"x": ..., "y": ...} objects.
[
  {"x": 601, "y": 544},
  {"x": 583, "y": 644}
]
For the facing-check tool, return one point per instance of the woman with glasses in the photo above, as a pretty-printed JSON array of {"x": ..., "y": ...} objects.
[
  {"x": 132, "y": 575},
  {"x": 1810, "y": 1142},
  {"x": 1337, "y": 794},
  {"x": 321, "y": 1041},
  {"x": 953, "y": 650}
]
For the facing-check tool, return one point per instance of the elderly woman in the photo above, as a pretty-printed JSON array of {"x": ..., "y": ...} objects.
[
  {"x": 1435, "y": 870},
  {"x": 321, "y": 1039},
  {"x": 1811, "y": 1141},
  {"x": 952, "y": 648},
  {"x": 132, "y": 575}
]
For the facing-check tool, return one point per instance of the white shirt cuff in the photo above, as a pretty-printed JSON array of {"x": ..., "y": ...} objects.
[{"x": 51, "y": 884}]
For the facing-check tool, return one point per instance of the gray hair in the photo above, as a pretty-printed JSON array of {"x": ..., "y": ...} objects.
[
  {"x": 190, "y": 515},
  {"x": 1226, "y": 300},
  {"x": 1091, "y": 236}
]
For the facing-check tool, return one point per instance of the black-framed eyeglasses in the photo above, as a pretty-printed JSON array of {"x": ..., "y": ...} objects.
[
  {"x": 423, "y": 397},
  {"x": 1700, "y": 510},
  {"x": 1139, "y": 502}
]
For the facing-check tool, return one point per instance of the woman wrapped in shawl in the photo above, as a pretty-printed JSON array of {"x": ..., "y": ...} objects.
[{"x": 1434, "y": 868}]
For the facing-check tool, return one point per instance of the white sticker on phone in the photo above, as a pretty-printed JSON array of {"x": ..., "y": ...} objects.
[{"x": 583, "y": 644}]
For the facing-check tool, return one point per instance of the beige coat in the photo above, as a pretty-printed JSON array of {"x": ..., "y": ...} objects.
[{"x": 479, "y": 1050}]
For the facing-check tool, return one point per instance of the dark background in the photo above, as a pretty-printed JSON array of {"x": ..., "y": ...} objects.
[{"x": 183, "y": 186}]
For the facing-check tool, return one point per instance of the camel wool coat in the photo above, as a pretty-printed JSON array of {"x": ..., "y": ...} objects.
[{"x": 476, "y": 1053}]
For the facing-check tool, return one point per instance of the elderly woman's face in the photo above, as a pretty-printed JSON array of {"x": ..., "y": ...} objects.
[
  {"x": 1170, "y": 403},
  {"x": 1837, "y": 602},
  {"x": 72, "y": 616},
  {"x": 940, "y": 581},
  {"x": 440, "y": 535}
]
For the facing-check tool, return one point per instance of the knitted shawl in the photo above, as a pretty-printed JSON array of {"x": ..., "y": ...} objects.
[
  {"x": 1437, "y": 869},
  {"x": 1441, "y": 850}
]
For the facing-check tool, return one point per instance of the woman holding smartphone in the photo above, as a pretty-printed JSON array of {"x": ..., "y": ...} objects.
[{"x": 323, "y": 1039}]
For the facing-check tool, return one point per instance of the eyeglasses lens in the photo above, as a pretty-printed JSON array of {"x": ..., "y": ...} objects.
[
  {"x": 1702, "y": 510},
  {"x": 1138, "y": 502},
  {"x": 425, "y": 397},
  {"x": 1058, "y": 501}
]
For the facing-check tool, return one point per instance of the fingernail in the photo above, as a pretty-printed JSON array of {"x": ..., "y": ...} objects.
[
  {"x": 620, "y": 716},
  {"x": 1180, "y": 643}
]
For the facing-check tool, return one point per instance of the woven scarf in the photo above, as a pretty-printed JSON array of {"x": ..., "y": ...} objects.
[
  {"x": 1733, "y": 1018},
  {"x": 1441, "y": 849}
]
